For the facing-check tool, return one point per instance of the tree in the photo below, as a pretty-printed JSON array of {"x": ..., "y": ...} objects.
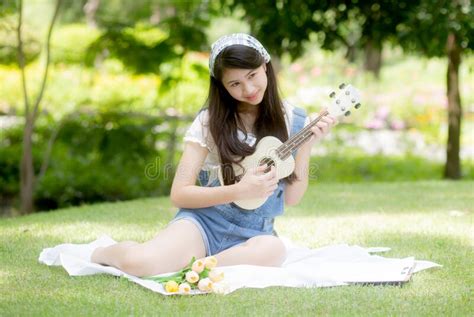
[
  {"x": 90, "y": 10},
  {"x": 180, "y": 28},
  {"x": 446, "y": 31},
  {"x": 427, "y": 27},
  {"x": 27, "y": 174},
  {"x": 356, "y": 26}
]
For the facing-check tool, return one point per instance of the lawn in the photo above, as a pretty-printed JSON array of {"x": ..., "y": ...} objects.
[{"x": 429, "y": 220}]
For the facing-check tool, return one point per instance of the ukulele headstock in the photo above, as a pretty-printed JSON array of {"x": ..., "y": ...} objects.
[{"x": 344, "y": 100}]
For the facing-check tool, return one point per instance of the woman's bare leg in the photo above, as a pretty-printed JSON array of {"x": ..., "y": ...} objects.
[
  {"x": 260, "y": 250},
  {"x": 169, "y": 251}
]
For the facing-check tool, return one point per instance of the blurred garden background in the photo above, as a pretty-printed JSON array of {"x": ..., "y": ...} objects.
[{"x": 125, "y": 78}]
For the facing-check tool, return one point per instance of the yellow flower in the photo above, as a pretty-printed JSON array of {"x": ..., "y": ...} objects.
[
  {"x": 205, "y": 285},
  {"x": 192, "y": 277},
  {"x": 216, "y": 275},
  {"x": 198, "y": 266},
  {"x": 210, "y": 262},
  {"x": 171, "y": 287},
  {"x": 184, "y": 288}
]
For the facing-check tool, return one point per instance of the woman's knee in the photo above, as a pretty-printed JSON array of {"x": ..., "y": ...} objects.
[
  {"x": 141, "y": 260},
  {"x": 168, "y": 251},
  {"x": 132, "y": 263},
  {"x": 271, "y": 249}
]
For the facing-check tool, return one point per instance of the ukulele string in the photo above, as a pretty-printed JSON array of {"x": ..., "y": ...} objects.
[{"x": 301, "y": 136}]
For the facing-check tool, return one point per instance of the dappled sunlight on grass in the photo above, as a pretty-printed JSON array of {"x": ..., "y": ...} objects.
[
  {"x": 390, "y": 197},
  {"x": 140, "y": 211},
  {"x": 428, "y": 220},
  {"x": 4, "y": 274},
  {"x": 85, "y": 232},
  {"x": 318, "y": 231}
]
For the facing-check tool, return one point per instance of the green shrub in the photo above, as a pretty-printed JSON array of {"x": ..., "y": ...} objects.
[
  {"x": 96, "y": 157},
  {"x": 10, "y": 157},
  {"x": 69, "y": 43},
  {"x": 104, "y": 157}
]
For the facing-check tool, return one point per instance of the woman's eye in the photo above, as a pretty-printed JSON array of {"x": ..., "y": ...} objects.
[
  {"x": 252, "y": 75},
  {"x": 234, "y": 85}
]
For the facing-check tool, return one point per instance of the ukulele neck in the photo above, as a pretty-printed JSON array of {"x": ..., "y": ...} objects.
[{"x": 297, "y": 140}]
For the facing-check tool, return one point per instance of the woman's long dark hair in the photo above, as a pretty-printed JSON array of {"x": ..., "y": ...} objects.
[{"x": 223, "y": 116}]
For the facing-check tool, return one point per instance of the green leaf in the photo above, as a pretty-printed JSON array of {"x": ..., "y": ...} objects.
[
  {"x": 189, "y": 266},
  {"x": 178, "y": 277},
  {"x": 204, "y": 273}
]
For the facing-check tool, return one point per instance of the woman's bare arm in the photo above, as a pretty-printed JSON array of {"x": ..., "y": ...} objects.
[
  {"x": 184, "y": 191},
  {"x": 294, "y": 192}
]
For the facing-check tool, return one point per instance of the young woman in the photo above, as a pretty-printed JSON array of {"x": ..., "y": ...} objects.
[{"x": 243, "y": 106}]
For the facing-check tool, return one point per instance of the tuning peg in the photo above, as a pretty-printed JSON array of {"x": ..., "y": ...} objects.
[
  {"x": 332, "y": 94},
  {"x": 348, "y": 113},
  {"x": 357, "y": 106},
  {"x": 341, "y": 86}
]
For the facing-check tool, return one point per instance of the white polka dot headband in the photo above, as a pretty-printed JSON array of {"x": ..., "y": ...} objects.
[{"x": 235, "y": 39}]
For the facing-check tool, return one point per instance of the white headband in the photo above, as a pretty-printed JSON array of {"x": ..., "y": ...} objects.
[{"x": 235, "y": 39}]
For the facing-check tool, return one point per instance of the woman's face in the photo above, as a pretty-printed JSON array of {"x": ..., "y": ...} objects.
[{"x": 246, "y": 85}]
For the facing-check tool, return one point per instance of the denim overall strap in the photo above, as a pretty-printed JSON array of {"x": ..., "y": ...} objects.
[
  {"x": 203, "y": 177},
  {"x": 299, "y": 118}
]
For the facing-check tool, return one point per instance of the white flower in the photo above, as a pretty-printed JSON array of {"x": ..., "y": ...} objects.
[
  {"x": 216, "y": 275},
  {"x": 210, "y": 262},
  {"x": 192, "y": 277},
  {"x": 198, "y": 266},
  {"x": 184, "y": 288},
  {"x": 205, "y": 284}
]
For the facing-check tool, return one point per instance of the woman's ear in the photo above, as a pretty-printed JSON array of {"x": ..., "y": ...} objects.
[{"x": 264, "y": 67}]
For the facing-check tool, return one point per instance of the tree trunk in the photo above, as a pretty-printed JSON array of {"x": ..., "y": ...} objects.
[
  {"x": 351, "y": 53},
  {"x": 373, "y": 58},
  {"x": 27, "y": 173},
  {"x": 276, "y": 63},
  {"x": 452, "y": 168},
  {"x": 90, "y": 10}
]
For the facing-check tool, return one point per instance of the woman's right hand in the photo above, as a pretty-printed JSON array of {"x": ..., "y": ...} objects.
[{"x": 257, "y": 184}]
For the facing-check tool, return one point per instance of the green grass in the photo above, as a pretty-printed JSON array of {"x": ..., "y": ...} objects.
[{"x": 413, "y": 218}]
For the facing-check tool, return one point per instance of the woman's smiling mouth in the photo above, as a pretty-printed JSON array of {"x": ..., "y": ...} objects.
[{"x": 253, "y": 97}]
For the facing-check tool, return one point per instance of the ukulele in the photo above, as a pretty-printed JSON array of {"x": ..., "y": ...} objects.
[{"x": 270, "y": 151}]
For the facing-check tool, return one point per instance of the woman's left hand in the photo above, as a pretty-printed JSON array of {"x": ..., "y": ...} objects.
[{"x": 322, "y": 127}]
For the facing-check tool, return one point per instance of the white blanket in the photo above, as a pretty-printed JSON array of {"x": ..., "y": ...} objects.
[{"x": 323, "y": 267}]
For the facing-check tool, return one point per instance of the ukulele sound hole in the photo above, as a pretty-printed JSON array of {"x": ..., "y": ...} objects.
[{"x": 266, "y": 161}]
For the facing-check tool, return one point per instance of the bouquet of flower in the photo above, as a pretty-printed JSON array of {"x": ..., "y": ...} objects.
[{"x": 198, "y": 274}]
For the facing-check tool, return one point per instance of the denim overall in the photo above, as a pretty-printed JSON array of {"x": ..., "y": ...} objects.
[{"x": 224, "y": 226}]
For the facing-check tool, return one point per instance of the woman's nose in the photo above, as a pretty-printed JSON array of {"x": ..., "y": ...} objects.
[{"x": 248, "y": 89}]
